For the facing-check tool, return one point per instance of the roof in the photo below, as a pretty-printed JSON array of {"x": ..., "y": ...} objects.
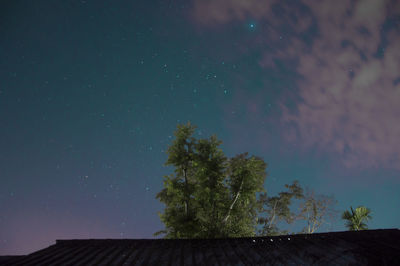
[
  {"x": 3, "y": 259},
  {"x": 376, "y": 247}
]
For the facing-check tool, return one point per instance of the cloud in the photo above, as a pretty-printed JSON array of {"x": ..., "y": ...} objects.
[
  {"x": 349, "y": 88},
  {"x": 350, "y": 102}
]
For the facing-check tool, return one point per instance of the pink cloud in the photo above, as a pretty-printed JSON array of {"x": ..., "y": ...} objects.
[{"x": 350, "y": 102}]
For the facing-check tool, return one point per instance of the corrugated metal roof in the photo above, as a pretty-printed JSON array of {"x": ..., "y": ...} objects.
[{"x": 368, "y": 247}]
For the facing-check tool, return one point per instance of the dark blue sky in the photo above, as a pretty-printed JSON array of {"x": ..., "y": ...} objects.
[{"x": 92, "y": 91}]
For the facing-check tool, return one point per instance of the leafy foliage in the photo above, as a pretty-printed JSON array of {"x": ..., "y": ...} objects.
[
  {"x": 245, "y": 178},
  {"x": 355, "y": 220},
  {"x": 209, "y": 196}
]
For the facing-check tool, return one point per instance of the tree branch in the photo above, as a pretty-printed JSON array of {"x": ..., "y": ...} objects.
[
  {"x": 273, "y": 216},
  {"x": 233, "y": 203},
  {"x": 186, "y": 193}
]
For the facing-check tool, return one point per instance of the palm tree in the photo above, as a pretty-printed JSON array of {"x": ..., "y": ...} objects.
[{"x": 355, "y": 219}]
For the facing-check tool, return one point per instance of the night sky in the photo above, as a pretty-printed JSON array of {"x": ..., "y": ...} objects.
[{"x": 91, "y": 93}]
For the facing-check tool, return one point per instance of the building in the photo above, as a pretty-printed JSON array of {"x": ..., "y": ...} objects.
[{"x": 368, "y": 247}]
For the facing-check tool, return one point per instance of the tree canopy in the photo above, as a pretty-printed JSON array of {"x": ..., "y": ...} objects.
[
  {"x": 277, "y": 208},
  {"x": 315, "y": 209},
  {"x": 212, "y": 196},
  {"x": 209, "y": 195},
  {"x": 355, "y": 219}
]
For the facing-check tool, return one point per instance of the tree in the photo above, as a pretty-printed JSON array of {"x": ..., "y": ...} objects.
[
  {"x": 209, "y": 196},
  {"x": 355, "y": 219},
  {"x": 315, "y": 209},
  {"x": 278, "y": 209},
  {"x": 246, "y": 178},
  {"x": 179, "y": 216}
]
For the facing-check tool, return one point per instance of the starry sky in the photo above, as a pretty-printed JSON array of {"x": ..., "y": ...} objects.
[{"x": 91, "y": 93}]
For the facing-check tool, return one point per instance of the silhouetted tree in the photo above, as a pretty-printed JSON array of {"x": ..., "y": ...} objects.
[
  {"x": 316, "y": 210},
  {"x": 277, "y": 208}
]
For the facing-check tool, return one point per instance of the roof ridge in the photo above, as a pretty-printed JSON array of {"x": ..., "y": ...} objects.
[{"x": 132, "y": 240}]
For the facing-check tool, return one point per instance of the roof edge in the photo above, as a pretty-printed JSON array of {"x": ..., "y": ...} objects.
[{"x": 129, "y": 240}]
